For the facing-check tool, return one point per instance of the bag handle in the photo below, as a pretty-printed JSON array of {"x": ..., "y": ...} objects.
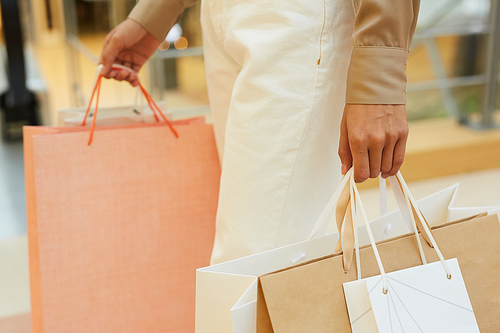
[
  {"x": 358, "y": 206},
  {"x": 382, "y": 185},
  {"x": 347, "y": 242},
  {"x": 139, "y": 97},
  {"x": 397, "y": 183},
  {"x": 340, "y": 200},
  {"x": 340, "y": 194},
  {"x": 97, "y": 89},
  {"x": 323, "y": 217},
  {"x": 342, "y": 203}
]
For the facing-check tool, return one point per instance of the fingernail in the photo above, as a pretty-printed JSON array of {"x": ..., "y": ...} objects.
[{"x": 383, "y": 175}]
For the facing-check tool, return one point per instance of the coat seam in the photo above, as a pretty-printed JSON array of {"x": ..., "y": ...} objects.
[
  {"x": 321, "y": 32},
  {"x": 304, "y": 131}
]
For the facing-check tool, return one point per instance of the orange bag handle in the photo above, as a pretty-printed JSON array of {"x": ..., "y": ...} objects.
[{"x": 97, "y": 88}]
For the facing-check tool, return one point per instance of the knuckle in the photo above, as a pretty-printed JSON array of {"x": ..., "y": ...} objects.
[
  {"x": 360, "y": 179},
  {"x": 404, "y": 131},
  {"x": 398, "y": 161},
  {"x": 374, "y": 173},
  {"x": 358, "y": 141},
  {"x": 377, "y": 139},
  {"x": 361, "y": 176},
  {"x": 386, "y": 168},
  {"x": 393, "y": 172},
  {"x": 393, "y": 136}
]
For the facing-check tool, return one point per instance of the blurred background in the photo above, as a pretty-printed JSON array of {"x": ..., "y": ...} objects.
[{"x": 49, "y": 50}]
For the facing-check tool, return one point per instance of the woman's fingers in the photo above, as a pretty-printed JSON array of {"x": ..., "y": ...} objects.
[
  {"x": 398, "y": 158},
  {"x": 377, "y": 146},
  {"x": 361, "y": 163},
  {"x": 387, "y": 156},
  {"x": 123, "y": 74},
  {"x": 360, "y": 156},
  {"x": 344, "y": 149},
  {"x": 377, "y": 136}
]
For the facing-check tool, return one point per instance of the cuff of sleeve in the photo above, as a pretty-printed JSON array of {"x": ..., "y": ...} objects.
[
  {"x": 157, "y": 17},
  {"x": 377, "y": 75}
]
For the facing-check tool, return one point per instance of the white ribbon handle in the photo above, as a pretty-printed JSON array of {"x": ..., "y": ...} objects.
[
  {"x": 382, "y": 185},
  {"x": 408, "y": 208},
  {"x": 322, "y": 221},
  {"x": 409, "y": 200}
]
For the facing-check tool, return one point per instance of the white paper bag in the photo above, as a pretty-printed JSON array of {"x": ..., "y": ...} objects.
[
  {"x": 429, "y": 298},
  {"x": 418, "y": 300},
  {"x": 226, "y": 294}
]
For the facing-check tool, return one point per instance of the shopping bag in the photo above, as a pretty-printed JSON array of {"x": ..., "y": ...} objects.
[
  {"x": 117, "y": 228},
  {"x": 419, "y": 299},
  {"x": 227, "y": 293},
  {"x": 425, "y": 298},
  {"x": 111, "y": 116},
  {"x": 309, "y": 297}
]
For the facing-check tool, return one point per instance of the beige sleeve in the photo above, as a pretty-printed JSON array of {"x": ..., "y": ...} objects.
[
  {"x": 383, "y": 31},
  {"x": 159, "y": 16}
]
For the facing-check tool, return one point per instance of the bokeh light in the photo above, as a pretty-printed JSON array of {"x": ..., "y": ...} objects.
[{"x": 181, "y": 43}]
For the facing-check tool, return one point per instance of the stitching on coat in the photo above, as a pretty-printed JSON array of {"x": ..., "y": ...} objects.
[
  {"x": 298, "y": 153},
  {"x": 322, "y": 30}
]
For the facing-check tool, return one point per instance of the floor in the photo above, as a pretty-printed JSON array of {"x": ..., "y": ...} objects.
[
  {"x": 12, "y": 206},
  {"x": 14, "y": 273}
]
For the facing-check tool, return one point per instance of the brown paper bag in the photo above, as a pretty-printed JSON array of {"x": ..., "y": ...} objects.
[
  {"x": 117, "y": 229},
  {"x": 309, "y": 297}
]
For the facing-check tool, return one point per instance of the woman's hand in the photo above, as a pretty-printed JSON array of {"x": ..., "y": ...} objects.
[
  {"x": 128, "y": 44},
  {"x": 373, "y": 140}
]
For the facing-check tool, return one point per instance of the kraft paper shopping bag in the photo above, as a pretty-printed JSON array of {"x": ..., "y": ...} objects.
[
  {"x": 227, "y": 292},
  {"x": 309, "y": 297},
  {"x": 426, "y": 298}
]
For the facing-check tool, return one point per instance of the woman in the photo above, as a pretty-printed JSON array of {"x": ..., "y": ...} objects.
[{"x": 290, "y": 83}]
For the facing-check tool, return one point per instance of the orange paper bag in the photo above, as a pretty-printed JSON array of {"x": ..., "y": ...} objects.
[{"x": 117, "y": 228}]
